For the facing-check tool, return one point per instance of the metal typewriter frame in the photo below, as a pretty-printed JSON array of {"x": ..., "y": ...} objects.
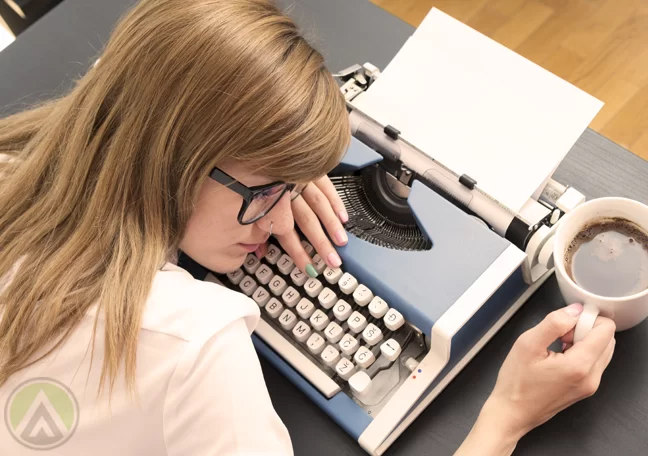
[{"x": 532, "y": 235}]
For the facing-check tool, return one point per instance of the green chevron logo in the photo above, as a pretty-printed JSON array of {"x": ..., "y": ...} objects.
[{"x": 42, "y": 414}]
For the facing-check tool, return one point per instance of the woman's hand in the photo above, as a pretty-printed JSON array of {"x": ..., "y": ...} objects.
[
  {"x": 319, "y": 204},
  {"x": 534, "y": 384}
]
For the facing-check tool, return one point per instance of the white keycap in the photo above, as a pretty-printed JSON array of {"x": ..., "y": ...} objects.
[
  {"x": 393, "y": 319},
  {"x": 364, "y": 357},
  {"x": 315, "y": 343},
  {"x": 390, "y": 349},
  {"x": 298, "y": 277},
  {"x": 327, "y": 298},
  {"x": 333, "y": 332},
  {"x": 248, "y": 285},
  {"x": 252, "y": 263},
  {"x": 288, "y": 320},
  {"x": 273, "y": 254},
  {"x": 372, "y": 334},
  {"x": 291, "y": 297},
  {"x": 309, "y": 248},
  {"x": 377, "y": 307},
  {"x": 278, "y": 285},
  {"x": 301, "y": 331},
  {"x": 342, "y": 310},
  {"x": 319, "y": 320},
  {"x": 330, "y": 356},
  {"x": 348, "y": 283},
  {"x": 345, "y": 368},
  {"x": 313, "y": 287},
  {"x": 261, "y": 296},
  {"x": 332, "y": 275},
  {"x": 362, "y": 295},
  {"x": 411, "y": 364},
  {"x": 274, "y": 307},
  {"x": 348, "y": 344},
  {"x": 305, "y": 308},
  {"x": 360, "y": 384},
  {"x": 236, "y": 276},
  {"x": 264, "y": 274},
  {"x": 357, "y": 322},
  {"x": 319, "y": 264},
  {"x": 285, "y": 264}
]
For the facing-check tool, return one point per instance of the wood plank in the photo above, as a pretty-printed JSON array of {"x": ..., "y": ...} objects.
[
  {"x": 547, "y": 38},
  {"x": 640, "y": 146},
  {"x": 594, "y": 30},
  {"x": 462, "y": 10},
  {"x": 506, "y": 7},
  {"x": 562, "y": 62},
  {"x": 615, "y": 93},
  {"x": 628, "y": 41},
  {"x": 414, "y": 11},
  {"x": 629, "y": 124},
  {"x": 557, "y": 5},
  {"x": 635, "y": 70},
  {"x": 487, "y": 20},
  {"x": 522, "y": 24}
]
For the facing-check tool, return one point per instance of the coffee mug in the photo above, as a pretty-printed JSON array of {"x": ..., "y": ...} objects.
[{"x": 626, "y": 311}]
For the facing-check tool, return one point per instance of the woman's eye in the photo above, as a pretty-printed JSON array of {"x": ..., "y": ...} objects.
[{"x": 270, "y": 192}]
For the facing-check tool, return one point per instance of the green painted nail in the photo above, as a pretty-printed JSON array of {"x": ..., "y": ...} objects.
[{"x": 310, "y": 270}]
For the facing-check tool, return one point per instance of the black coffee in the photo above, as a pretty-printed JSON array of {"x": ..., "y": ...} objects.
[{"x": 609, "y": 257}]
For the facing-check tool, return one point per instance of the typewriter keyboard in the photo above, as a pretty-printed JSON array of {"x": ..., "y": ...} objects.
[{"x": 332, "y": 328}]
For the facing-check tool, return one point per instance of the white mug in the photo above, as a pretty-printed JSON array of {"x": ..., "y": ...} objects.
[{"x": 626, "y": 311}]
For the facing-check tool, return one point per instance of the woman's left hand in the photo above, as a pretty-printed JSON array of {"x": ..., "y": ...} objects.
[{"x": 316, "y": 210}]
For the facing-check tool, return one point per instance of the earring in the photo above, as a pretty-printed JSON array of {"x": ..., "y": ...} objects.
[{"x": 270, "y": 230}]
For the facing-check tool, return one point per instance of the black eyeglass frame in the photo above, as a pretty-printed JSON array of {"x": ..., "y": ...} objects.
[{"x": 249, "y": 193}]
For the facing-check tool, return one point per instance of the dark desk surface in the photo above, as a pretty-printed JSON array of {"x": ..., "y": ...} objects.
[{"x": 62, "y": 45}]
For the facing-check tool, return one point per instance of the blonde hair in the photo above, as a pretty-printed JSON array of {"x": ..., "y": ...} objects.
[{"x": 103, "y": 179}]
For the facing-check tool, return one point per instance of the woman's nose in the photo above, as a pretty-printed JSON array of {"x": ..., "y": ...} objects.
[{"x": 280, "y": 216}]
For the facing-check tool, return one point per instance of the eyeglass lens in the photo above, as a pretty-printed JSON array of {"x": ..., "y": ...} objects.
[{"x": 263, "y": 202}]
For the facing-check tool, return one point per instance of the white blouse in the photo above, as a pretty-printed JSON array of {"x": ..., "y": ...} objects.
[{"x": 200, "y": 388}]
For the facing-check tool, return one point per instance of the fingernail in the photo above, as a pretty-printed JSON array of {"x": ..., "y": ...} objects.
[
  {"x": 334, "y": 260},
  {"x": 344, "y": 217},
  {"x": 564, "y": 346},
  {"x": 341, "y": 237},
  {"x": 310, "y": 270},
  {"x": 574, "y": 310}
]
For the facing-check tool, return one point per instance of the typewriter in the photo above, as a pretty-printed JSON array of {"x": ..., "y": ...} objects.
[{"x": 432, "y": 270}]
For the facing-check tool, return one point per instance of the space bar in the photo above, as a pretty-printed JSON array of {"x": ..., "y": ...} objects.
[{"x": 297, "y": 360}]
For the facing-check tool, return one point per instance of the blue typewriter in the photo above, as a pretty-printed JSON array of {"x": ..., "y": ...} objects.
[{"x": 432, "y": 270}]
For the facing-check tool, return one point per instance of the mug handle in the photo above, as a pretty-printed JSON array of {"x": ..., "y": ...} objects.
[{"x": 585, "y": 322}]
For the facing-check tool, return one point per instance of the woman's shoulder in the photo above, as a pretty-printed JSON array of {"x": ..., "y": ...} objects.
[{"x": 194, "y": 310}]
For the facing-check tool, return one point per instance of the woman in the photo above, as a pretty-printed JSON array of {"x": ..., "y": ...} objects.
[{"x": 145, "y": 158}]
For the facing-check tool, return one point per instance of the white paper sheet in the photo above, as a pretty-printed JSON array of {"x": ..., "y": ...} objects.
[{"x": 479, "y": 108}]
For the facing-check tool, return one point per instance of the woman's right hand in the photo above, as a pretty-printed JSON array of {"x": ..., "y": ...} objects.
[{"x": 534, "y": 383}]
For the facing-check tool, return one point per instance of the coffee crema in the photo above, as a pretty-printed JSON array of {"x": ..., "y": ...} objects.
[{"x": 609, "y": 257}]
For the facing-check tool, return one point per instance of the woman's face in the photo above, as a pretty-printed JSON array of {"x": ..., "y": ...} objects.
[{"x": 214, "y": 237}]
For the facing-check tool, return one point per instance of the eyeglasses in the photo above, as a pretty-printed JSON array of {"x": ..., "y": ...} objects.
[{"x": 257, "y": 200}]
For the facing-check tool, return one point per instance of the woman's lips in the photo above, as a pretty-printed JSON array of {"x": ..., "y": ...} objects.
[{"x": 250, "y": 247}]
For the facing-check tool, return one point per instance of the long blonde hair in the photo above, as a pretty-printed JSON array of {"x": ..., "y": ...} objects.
[{"x": 103, "y": 179}]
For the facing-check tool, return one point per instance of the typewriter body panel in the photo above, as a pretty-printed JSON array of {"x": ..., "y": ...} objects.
[{"x": 422, "y": 283}]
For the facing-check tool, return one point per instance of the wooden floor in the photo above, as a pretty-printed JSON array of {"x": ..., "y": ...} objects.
[{"x": 600, "y": 46}]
